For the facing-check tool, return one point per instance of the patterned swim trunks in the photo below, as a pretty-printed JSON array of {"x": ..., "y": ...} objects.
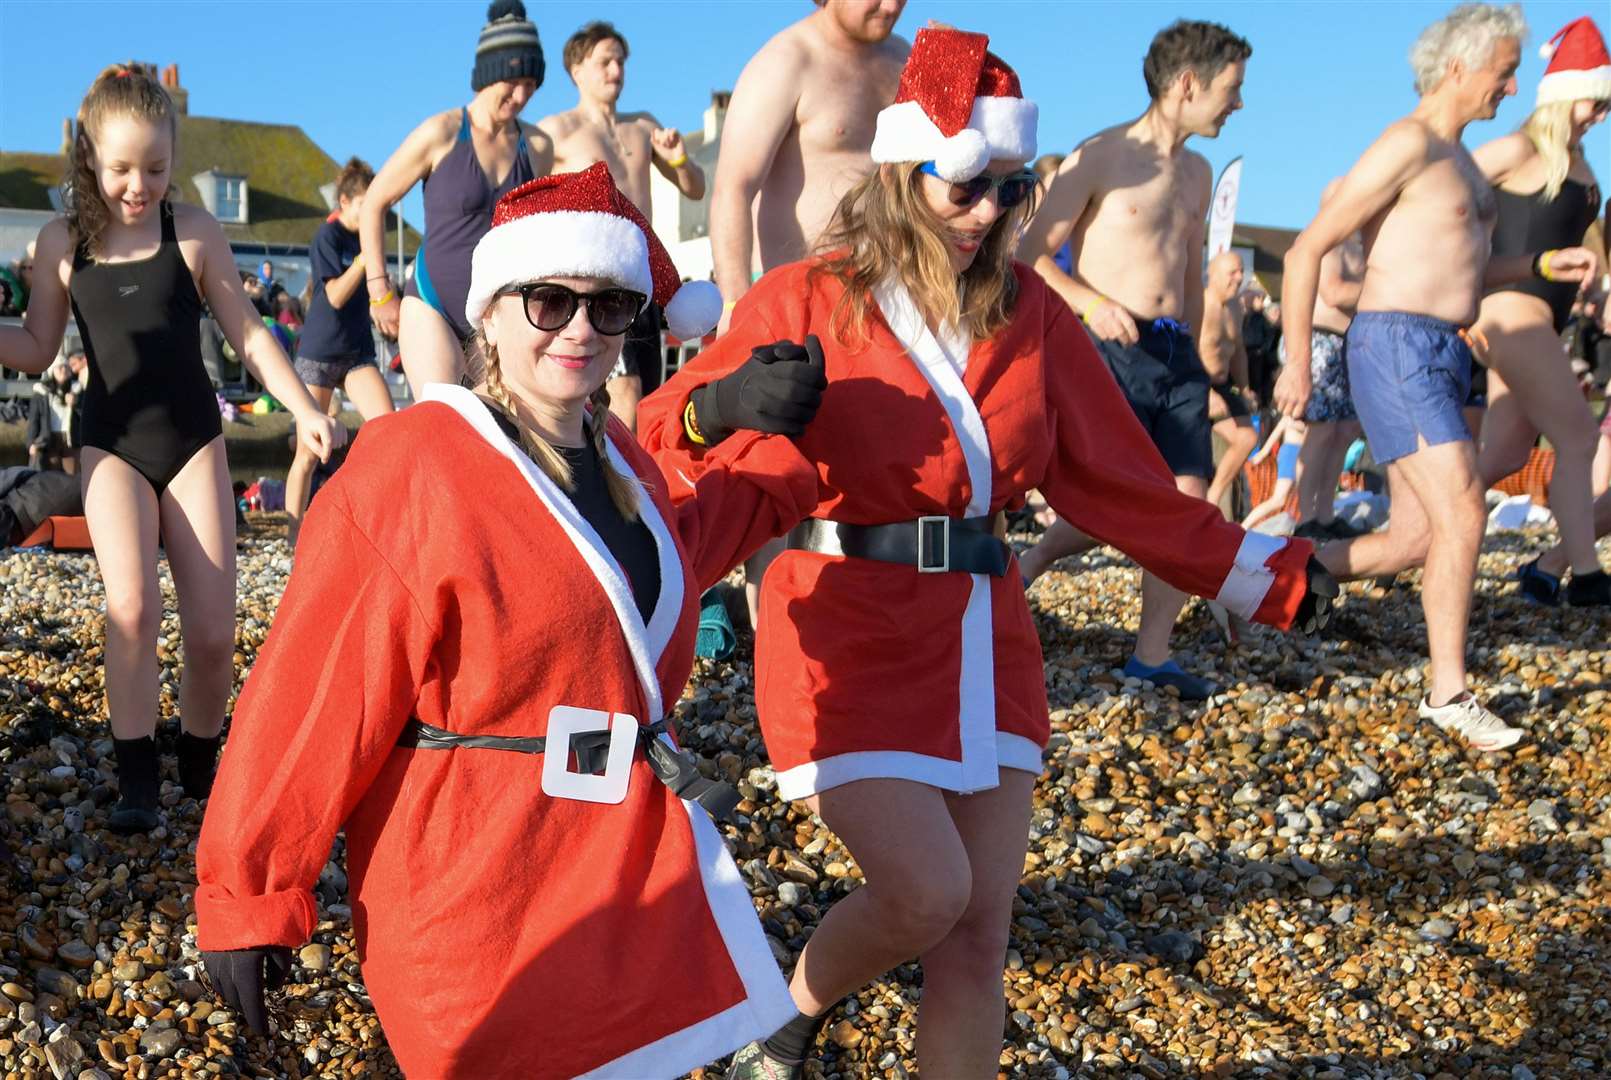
[{"x": 1330, "y": 400}]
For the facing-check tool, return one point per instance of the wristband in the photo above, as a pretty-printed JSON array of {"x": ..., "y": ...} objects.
[
  {"x": 383, "y": 300},
  {"x": 1085, "y": 316},
  {"x": 358, "y": 259},
  {"x": 690, "y": 425},
  {"x": 679, "y": 163},
  {"x": 1541, "y": 265}
]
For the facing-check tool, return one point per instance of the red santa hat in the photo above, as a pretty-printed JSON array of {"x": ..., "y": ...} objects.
[
  {"x": 1579, "y": 66},
  {"x": 580, "y": 225},
  {"x": 959, "y": 106}
]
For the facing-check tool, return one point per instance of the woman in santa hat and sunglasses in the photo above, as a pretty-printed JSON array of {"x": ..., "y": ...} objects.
[
  {"x": 899, "y": 677},
  {"x": 537, "y": 888}
]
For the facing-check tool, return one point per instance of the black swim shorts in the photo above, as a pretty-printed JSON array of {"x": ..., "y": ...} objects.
[{"x": 1164, "y": 381}]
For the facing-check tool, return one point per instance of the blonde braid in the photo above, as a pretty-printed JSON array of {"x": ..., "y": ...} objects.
[
  {"x": 549, "y": 460},
  {"x": 624, "y": 491}
]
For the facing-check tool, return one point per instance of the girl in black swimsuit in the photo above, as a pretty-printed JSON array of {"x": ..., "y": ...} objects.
[
  {"x": 1531, "y": 388},
  {"x": 135, "y": 271}
]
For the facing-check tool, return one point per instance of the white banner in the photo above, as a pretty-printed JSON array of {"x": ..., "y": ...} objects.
[{"x": 1222, "y": 211}]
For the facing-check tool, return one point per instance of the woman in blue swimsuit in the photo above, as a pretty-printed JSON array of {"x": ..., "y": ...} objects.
[{"x": 468, "y": 158}]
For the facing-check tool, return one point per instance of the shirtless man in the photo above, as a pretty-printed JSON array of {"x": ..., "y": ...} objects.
[
  {"x": 1332, "y": 425},
  {"x": 1219, "y": 343},
  {"x": 1427, "y": 215},
  {"x": 798, "y": 134},
  {"x": 628, "y": 143},
  {"x": 1133, "y": 201}
]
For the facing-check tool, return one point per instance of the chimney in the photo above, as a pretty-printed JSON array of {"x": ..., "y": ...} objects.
[
  {"x": 180, "y": 96},
  {"x": 716, "y": 114},
  {"x": 67, "y": 136}
]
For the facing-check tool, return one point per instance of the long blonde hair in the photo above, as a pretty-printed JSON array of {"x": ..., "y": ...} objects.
[
  {"x": 625, "y": 491},
  {"x": 120, "y": 90},
  {"x": 883, "y": 228},
  {"x": 1550, "y": 129}
]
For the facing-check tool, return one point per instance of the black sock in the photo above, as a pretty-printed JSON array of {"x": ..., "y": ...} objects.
[
  {"x": 790, "y": 1043},
  {"x": 137, "y": 779},
  {"x": 198, "y": 757}
]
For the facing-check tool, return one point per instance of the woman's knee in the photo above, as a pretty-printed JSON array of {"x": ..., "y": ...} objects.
[
  {"x": 133, "y": 612},
  {"x": 926, "y": 906}
]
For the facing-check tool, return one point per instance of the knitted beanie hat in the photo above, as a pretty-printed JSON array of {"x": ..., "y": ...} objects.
[{"x": 508, "y": 48}]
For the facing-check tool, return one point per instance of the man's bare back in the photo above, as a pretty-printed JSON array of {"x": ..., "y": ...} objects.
[
  {"x": 798, "y": 135},
  {"x": 623, "y": 144},
  {"x": 1426, "y": 252},
  {"x": 1130, "y": 240}
]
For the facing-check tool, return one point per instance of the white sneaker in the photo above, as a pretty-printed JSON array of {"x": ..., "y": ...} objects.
[{"x": 1466, "y": 717}]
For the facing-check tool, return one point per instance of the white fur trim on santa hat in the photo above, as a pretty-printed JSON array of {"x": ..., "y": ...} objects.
[
  {"x": 1593, "y": 84},
  {"x": 561, "y": 243},
  {"x": 999, "y": 128}
]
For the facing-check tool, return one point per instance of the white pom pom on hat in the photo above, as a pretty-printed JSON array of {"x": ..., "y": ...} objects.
[
  {"x": 580, "y": 225},
  {"x": 959, "y": 106}
]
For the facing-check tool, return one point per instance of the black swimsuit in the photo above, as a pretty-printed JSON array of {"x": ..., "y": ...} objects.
[
  {"x": 1527, "y": 225},
  {"x": 149, "y": 401}
]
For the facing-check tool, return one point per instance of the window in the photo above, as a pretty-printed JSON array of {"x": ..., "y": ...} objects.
[{"x": 230, "y": 198}]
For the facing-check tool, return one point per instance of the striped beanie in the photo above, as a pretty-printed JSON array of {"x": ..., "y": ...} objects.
[{"x": 508, "y": 48}]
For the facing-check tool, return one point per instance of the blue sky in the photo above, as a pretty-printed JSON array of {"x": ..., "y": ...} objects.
[{"x": 358, "y": 76}]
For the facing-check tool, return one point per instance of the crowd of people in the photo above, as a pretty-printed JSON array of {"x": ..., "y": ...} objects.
[{"x": 494, "y": 602}]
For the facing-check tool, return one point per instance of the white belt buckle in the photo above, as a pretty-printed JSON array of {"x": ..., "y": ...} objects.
[
  {"x": 560, "y": 782},
  {"x": 924, "y": 566}
]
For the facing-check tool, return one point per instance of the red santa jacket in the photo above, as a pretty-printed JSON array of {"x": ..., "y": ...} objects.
[
  {"x": 503, "y": 932},
  {"x": 868, "y": 669}
]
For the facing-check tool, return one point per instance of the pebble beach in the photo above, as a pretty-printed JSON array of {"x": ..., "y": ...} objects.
[{"x": 1297, "y": 878}]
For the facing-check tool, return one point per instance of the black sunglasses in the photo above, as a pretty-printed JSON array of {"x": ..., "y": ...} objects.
[
  {"x": 550, "y": 306},
  {"x": 1010, "y": 190}
]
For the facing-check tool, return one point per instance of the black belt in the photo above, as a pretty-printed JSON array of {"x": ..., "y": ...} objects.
[
  {"x": 677, "y": 769},
  {"x": 932, "y": 545}
]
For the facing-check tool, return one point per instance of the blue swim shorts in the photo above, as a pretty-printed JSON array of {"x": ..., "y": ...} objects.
[{"x": 1409, "y": 375}]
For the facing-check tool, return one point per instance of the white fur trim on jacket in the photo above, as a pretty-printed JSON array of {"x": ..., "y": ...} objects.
[
  {"x": 563, "y": 243},
  {"x": 1593, "y": 84},
  {"x": 999, "y": 127}
]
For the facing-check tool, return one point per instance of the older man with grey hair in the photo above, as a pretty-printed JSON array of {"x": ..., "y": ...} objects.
[{"x": 1427, "y": 216}]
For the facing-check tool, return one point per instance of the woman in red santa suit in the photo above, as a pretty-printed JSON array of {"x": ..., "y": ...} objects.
[
  {"x": 526, "y": 594},
  {"x": 899, "y": 677}
]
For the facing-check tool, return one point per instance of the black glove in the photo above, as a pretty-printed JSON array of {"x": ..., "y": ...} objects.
[
  {"x": 238, "y": 977},
  {"x": 777, "y": 390},
  {"x": 1315, "y": 610}
]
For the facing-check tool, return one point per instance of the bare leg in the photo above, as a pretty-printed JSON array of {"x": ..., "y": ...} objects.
[
  {"x": 754, "y": 571},
  {"x": 198, "y": 533},
  {"x": 1269, "y": 507},
  {"x": 430, "y": 349},
  {"x": 1240, "y": 442},
  {"x": 918, "y": 883},
  {"x": 1554, "y": 561},
  {"x": 121, "y": 511},
  {"x": 1438, "y": 517},
  {"x": 1058, "y": 542},
  {"x": 1548, "y": 397},
  {"x": 1161, "y": 603},
  {"x": 367, "y": 389},
  {"x": 299, "y": 477},
  {"x": 1317, "y": 487},
  {"x": 960, "y": 1018},
  {"x": 625, "y": 393}
]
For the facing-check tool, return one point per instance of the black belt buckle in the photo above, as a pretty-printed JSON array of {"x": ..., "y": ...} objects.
[
  {"x": 592, "y": 750},
  {"x": 933, "y": 544}
]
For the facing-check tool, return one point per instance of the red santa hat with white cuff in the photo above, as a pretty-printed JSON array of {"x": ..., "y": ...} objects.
[
  {"x": 959, "y": 105},
  {"x": 1579, "y": 66},
  {"x": 580, "y": 225}
]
